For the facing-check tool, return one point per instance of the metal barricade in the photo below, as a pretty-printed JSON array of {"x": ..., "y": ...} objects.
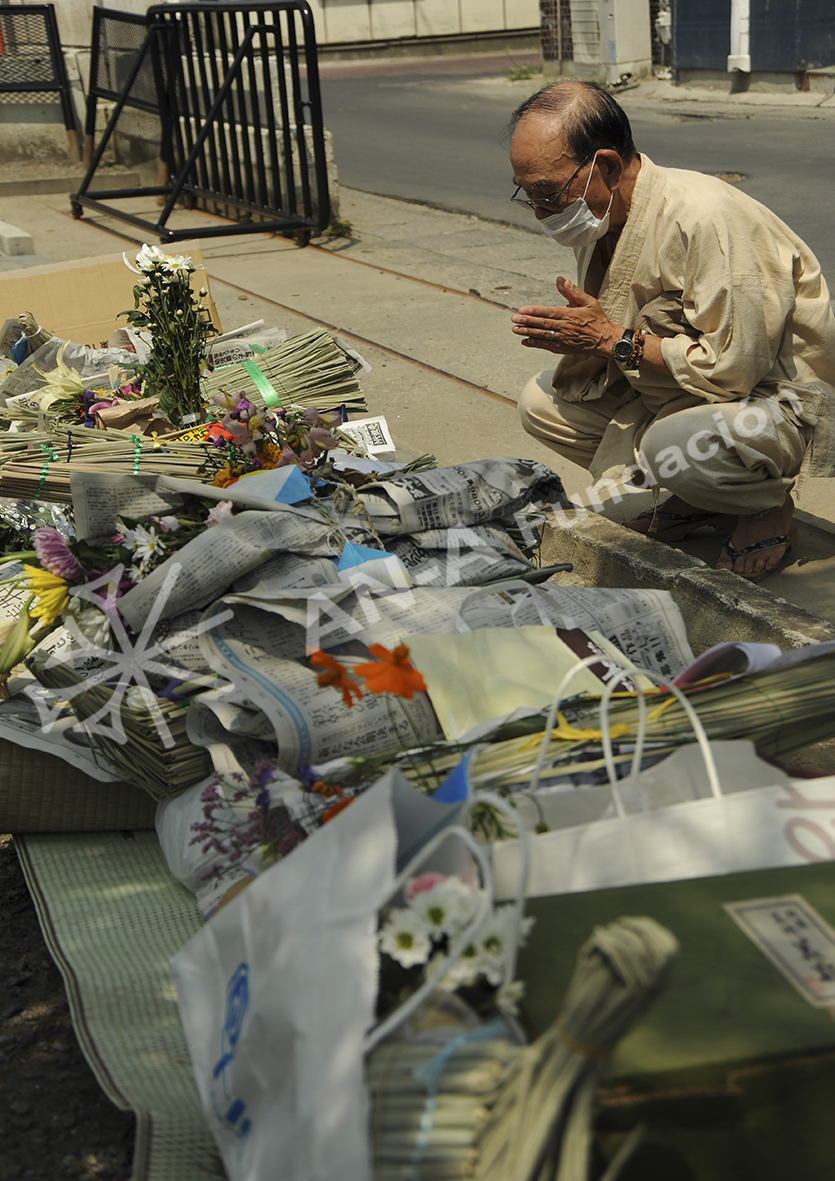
[
  {"x": 227, "y": 96},
  {"x": 32, "y": 68}
]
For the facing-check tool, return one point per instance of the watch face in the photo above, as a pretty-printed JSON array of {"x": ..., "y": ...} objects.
[{"x": 622, "y": 349}]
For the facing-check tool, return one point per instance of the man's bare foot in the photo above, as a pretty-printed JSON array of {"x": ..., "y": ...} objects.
[
  {"x": 675, "y": 519},
  {"x": 750, "y": 531}
]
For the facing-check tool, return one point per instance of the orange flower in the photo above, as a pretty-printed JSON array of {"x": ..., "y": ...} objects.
[
  {"x": 337, "y": 807},
  {"x": 391, "y": 672},
  {"x": 336, "y": 674},
  {"x": 326, "y": 789}
]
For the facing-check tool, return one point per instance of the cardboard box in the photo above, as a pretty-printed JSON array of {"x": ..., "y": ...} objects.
[{"x": 81, "y": 300}]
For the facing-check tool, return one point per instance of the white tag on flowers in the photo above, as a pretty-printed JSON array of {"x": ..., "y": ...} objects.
[{"x": 371, "y": 433}]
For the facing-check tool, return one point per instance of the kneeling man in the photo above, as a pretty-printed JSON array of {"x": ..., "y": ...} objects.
[{"x": 697, "y": 352}]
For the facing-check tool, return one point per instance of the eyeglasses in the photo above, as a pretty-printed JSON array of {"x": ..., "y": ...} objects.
[{"x": 548, "y": 203}]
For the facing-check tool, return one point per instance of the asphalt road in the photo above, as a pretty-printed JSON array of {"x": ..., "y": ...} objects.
[{"x": 439, "y": 140}]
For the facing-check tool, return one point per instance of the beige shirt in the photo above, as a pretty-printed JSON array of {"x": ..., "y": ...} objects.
[{"x": 737, "y": 296}]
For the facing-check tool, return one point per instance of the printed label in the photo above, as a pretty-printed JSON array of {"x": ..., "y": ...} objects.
[{"x": 797, "y": 940}]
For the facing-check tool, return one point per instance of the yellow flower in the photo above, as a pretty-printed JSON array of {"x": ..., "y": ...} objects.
[
  {"x": 226, "y": 476},
  {"x": 269, "y": 456},
  {"x": 50, "y": 591}
]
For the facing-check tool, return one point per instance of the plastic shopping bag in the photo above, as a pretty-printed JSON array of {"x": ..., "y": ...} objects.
[{"x": 277, "y": 993}]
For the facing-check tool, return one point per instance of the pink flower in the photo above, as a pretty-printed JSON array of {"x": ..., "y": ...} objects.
[
  {"x": 288, "y": 456},
  {"x": 55, "y": 556},
  {"x": 424, "y": 881},
  {"x": 171, "y": 524},
  {"x": 220, "y": 512},
  {"x": 97, "y": 406}
]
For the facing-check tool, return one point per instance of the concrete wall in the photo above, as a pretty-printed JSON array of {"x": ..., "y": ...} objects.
[{"x": 347, "y": 21}]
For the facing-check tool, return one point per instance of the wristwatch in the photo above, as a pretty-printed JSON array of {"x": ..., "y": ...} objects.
[{"x": 622, "y": 349}]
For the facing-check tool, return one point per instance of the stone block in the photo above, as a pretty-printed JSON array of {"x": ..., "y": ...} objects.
[{"x": 15, "y": 241}]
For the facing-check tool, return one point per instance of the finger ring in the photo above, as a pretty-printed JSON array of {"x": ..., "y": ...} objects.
[{"x": 551, "y": 334}]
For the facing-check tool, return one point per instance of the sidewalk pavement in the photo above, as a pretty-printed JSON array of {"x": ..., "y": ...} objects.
[{"x": 425, "y": 296}]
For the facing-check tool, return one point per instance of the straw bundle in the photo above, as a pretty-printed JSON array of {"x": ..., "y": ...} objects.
[
  {"x": 780, "y": 710},
  {"x": 38, "y": 465},
  {"x": 307, "y": 370},
  {"x": 143, "y": 760},
  {"x": 481, "y": 1107},
  {"x": 541, "y": 1122}
]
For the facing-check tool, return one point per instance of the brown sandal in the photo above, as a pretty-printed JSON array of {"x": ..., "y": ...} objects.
[
  {"x": 689, "y": 523},
  {"x": 789, "y": 540}
]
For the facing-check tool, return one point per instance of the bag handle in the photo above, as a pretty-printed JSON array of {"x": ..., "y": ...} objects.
[
  {"x": 485, "y": 902},
  {"x": 692, "y": 716},
  {"x": 627, "y": 671}
]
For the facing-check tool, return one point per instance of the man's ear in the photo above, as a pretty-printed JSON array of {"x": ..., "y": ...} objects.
[{"x": 611, "y": 166}]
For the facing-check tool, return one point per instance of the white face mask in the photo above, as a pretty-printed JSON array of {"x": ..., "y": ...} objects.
[{"x": 577, "y": 226}]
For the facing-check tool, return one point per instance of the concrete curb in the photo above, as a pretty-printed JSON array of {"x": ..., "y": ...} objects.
[
  {"x": 605, "y": 553},
  {"x": 62, "y": 183}
]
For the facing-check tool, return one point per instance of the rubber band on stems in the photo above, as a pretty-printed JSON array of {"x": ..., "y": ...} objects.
[
  {"x": 137, "y": 451},
  {"x": 51, "y": 457}
]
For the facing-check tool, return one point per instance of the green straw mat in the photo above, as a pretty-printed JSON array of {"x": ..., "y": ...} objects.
[
  {"x": 112, "y": 916},
  {"x": 42, "y": 793}
]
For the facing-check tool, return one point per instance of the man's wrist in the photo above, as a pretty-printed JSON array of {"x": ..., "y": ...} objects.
[{"x": 615, "y": 334}]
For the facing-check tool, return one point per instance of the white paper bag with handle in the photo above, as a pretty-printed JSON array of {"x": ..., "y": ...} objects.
[
  {"x": 727, "y": 831},
  {"x": 277, "y": 993}
]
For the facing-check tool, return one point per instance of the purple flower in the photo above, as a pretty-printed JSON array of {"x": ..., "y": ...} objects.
[
  {"x": 307, "y": 775},
  {"x": 319, "y": 439},
  {"x": 55, "y": 556}
]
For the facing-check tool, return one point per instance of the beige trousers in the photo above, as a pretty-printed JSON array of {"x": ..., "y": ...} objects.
[{"x": 732, "y": 457}]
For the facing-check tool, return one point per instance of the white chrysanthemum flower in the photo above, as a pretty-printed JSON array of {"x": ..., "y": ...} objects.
[
  {"x": 149, "y": 258},
  {"x": 447, "y": 907},
  {"x": 465, "y": 971},
  {"x": 509, "y": 996},
  {"x": 405, "y": 937},
  {"x": 179, "y": 264},
  {"x": 494, "y": 943},
  {"x": 138, "y": 697},
  {"x": 146, "y": 544},
  {"x": 93, "y": 624}
]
